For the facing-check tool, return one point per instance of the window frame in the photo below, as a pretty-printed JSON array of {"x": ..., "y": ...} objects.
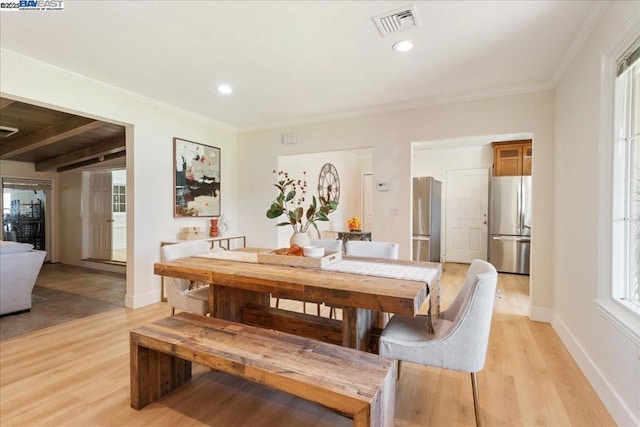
[
  {"x": 624, "y": 218},
  {"x": 123, "y": 200},
  {"x": 622, "y": 315}
]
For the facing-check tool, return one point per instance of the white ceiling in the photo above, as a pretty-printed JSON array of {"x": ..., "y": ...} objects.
[{"x": 301, "y": 61}]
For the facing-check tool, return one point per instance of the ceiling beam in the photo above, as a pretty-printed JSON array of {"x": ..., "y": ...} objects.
[
  {"x": 104, "y": 148},
  {"x": 92, "y": 161},
  {"x": 63, "y": 130},
  {"x": 4, "y": 102}
]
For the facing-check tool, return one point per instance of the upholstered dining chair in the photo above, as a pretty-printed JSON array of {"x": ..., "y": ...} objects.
[
  {"x": 180, "y": 292},
  {"x": 329, "y": 245},
  {"x": 360, "y": 248},
  {"x": 461, "y": 334}
]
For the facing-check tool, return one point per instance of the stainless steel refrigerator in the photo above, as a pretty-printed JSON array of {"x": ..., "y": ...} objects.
[
  {"x": 426, "y": 219},
  {"x": 510, "y": 224}
]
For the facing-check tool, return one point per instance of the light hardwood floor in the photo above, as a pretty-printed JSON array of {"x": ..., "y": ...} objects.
[{"x": 78, "y": 374}]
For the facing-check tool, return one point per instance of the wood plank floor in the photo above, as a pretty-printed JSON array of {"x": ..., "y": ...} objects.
[{"x": 78, "y": 374}]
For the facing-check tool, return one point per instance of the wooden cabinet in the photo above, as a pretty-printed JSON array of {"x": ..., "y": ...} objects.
[
  {"x": 512, "y": 158},
  {"x": 527, "y": 158}
]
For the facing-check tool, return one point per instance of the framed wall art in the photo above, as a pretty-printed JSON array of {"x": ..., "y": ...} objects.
[{"x": 196, "y": 172}]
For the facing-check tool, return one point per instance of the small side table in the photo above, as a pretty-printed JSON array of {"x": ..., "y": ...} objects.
[{"x": 353, "y": 235}]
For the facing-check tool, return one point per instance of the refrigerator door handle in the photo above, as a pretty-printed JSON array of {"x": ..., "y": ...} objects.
[
  {"x": 516, "y": 238},
  {"x": 520, "y": 208}
]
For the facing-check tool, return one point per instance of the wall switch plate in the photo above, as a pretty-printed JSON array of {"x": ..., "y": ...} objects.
[{"x": 382, "y": 186}]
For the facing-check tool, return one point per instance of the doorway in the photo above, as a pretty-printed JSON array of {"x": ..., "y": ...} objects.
[
  {"x": 466, "y": 217},
  {"x": 106, "y": 225}
]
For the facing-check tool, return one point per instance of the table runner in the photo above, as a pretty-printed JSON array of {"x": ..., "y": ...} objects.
[{"x": 392, "y": 271}]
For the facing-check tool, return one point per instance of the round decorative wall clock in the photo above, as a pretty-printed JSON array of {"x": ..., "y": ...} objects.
[{"x": 329, "y": 183}]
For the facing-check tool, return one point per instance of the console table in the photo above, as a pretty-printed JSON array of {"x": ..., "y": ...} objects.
[
  {"x": 353, "y": 235},
  {"x": 224, "y": 242}
]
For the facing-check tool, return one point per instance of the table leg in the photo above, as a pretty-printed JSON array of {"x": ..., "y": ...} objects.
[
  {"x": 211, "y": 292},
  {"x": 356, "y": 327},
  {"x": 227, "y": 302}
]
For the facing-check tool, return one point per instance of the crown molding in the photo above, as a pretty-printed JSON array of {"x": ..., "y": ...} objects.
[
  {"x": 400, "y": 106},
  {"x": 8, "y": 55},
  {"x": 588, "y": 25}
]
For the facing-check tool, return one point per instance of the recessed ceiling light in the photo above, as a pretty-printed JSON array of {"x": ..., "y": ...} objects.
[
  {"x": 226, "y": 89},
  {"x": 403, "y": 46}
]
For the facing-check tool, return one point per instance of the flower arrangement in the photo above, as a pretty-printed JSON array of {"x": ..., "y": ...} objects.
[
  {"x": 354, "y": 224},
  {"x": 290, "y": 201}
]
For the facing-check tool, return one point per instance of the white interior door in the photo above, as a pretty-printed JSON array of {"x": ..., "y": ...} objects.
[
  {"x": 100, "y": 215},
  {"x": 467, "y": 202},
  {"x": 367, "y": 202}
]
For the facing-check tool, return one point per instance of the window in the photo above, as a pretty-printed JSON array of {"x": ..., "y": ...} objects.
[
  {"x": 626, "y": 182},
  {"x": 119, "y": 199}
]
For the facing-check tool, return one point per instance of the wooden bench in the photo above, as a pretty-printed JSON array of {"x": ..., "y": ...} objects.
[{"x": 359, "y": 385}]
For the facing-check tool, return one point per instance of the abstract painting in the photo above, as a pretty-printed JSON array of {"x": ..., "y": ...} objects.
[{"x": 197, "y": 179}]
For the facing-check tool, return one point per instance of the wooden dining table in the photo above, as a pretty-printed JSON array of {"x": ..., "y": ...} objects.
[{"x": 236, "y": 286}]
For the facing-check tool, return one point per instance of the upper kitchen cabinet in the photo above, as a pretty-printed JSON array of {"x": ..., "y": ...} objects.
[{"x": 512, "y": 158}]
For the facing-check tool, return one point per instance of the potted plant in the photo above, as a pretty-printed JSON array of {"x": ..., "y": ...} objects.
[{"x": 290, "y": 203}]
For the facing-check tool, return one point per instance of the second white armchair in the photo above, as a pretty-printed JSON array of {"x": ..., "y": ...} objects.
[
  {"x": 180, "y": 292},
  {"x": 461, "y": 334}
]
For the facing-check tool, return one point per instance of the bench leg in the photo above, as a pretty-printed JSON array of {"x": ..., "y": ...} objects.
[
  {"x": 154, "y": 374},
  {"x": 383, "y": 406}
]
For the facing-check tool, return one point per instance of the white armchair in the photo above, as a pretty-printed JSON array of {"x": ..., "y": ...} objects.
[
  {"x": 388, "y": 250},
  {"x": 365, "y": 249},
  {"x": 461, "y": 334},
  {"x": 329, "y": 245},
  {"x": 179, "y": 292},
  {"x": 19, "y": 269}
]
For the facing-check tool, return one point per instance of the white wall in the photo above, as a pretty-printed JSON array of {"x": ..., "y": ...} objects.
[
  {"x": 435, "y": 162},
  {"x": 151, "y": 127},
  {"x": 390, "y": 135},
  {"x": 607, "y": 354},
  {"x": 350, "y": 168}
]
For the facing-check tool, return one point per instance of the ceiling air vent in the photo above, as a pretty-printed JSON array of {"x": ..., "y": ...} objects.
[
  {"x": 7, "y": 131},
  {"x": 397, "y": 20}
]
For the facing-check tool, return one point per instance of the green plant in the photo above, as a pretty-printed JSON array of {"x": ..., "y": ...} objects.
[{"x": 290, "y": 201}]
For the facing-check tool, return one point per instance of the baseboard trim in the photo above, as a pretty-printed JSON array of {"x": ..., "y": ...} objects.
[
  {"x": 138, "y": 301},
  {"x": 621, "y": 414},
  {"x": 112, "y": 268},
  {"x": 541, "y": 314}
]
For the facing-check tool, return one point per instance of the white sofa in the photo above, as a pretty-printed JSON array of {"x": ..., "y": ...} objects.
[{"x": 19, "y": 268}]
